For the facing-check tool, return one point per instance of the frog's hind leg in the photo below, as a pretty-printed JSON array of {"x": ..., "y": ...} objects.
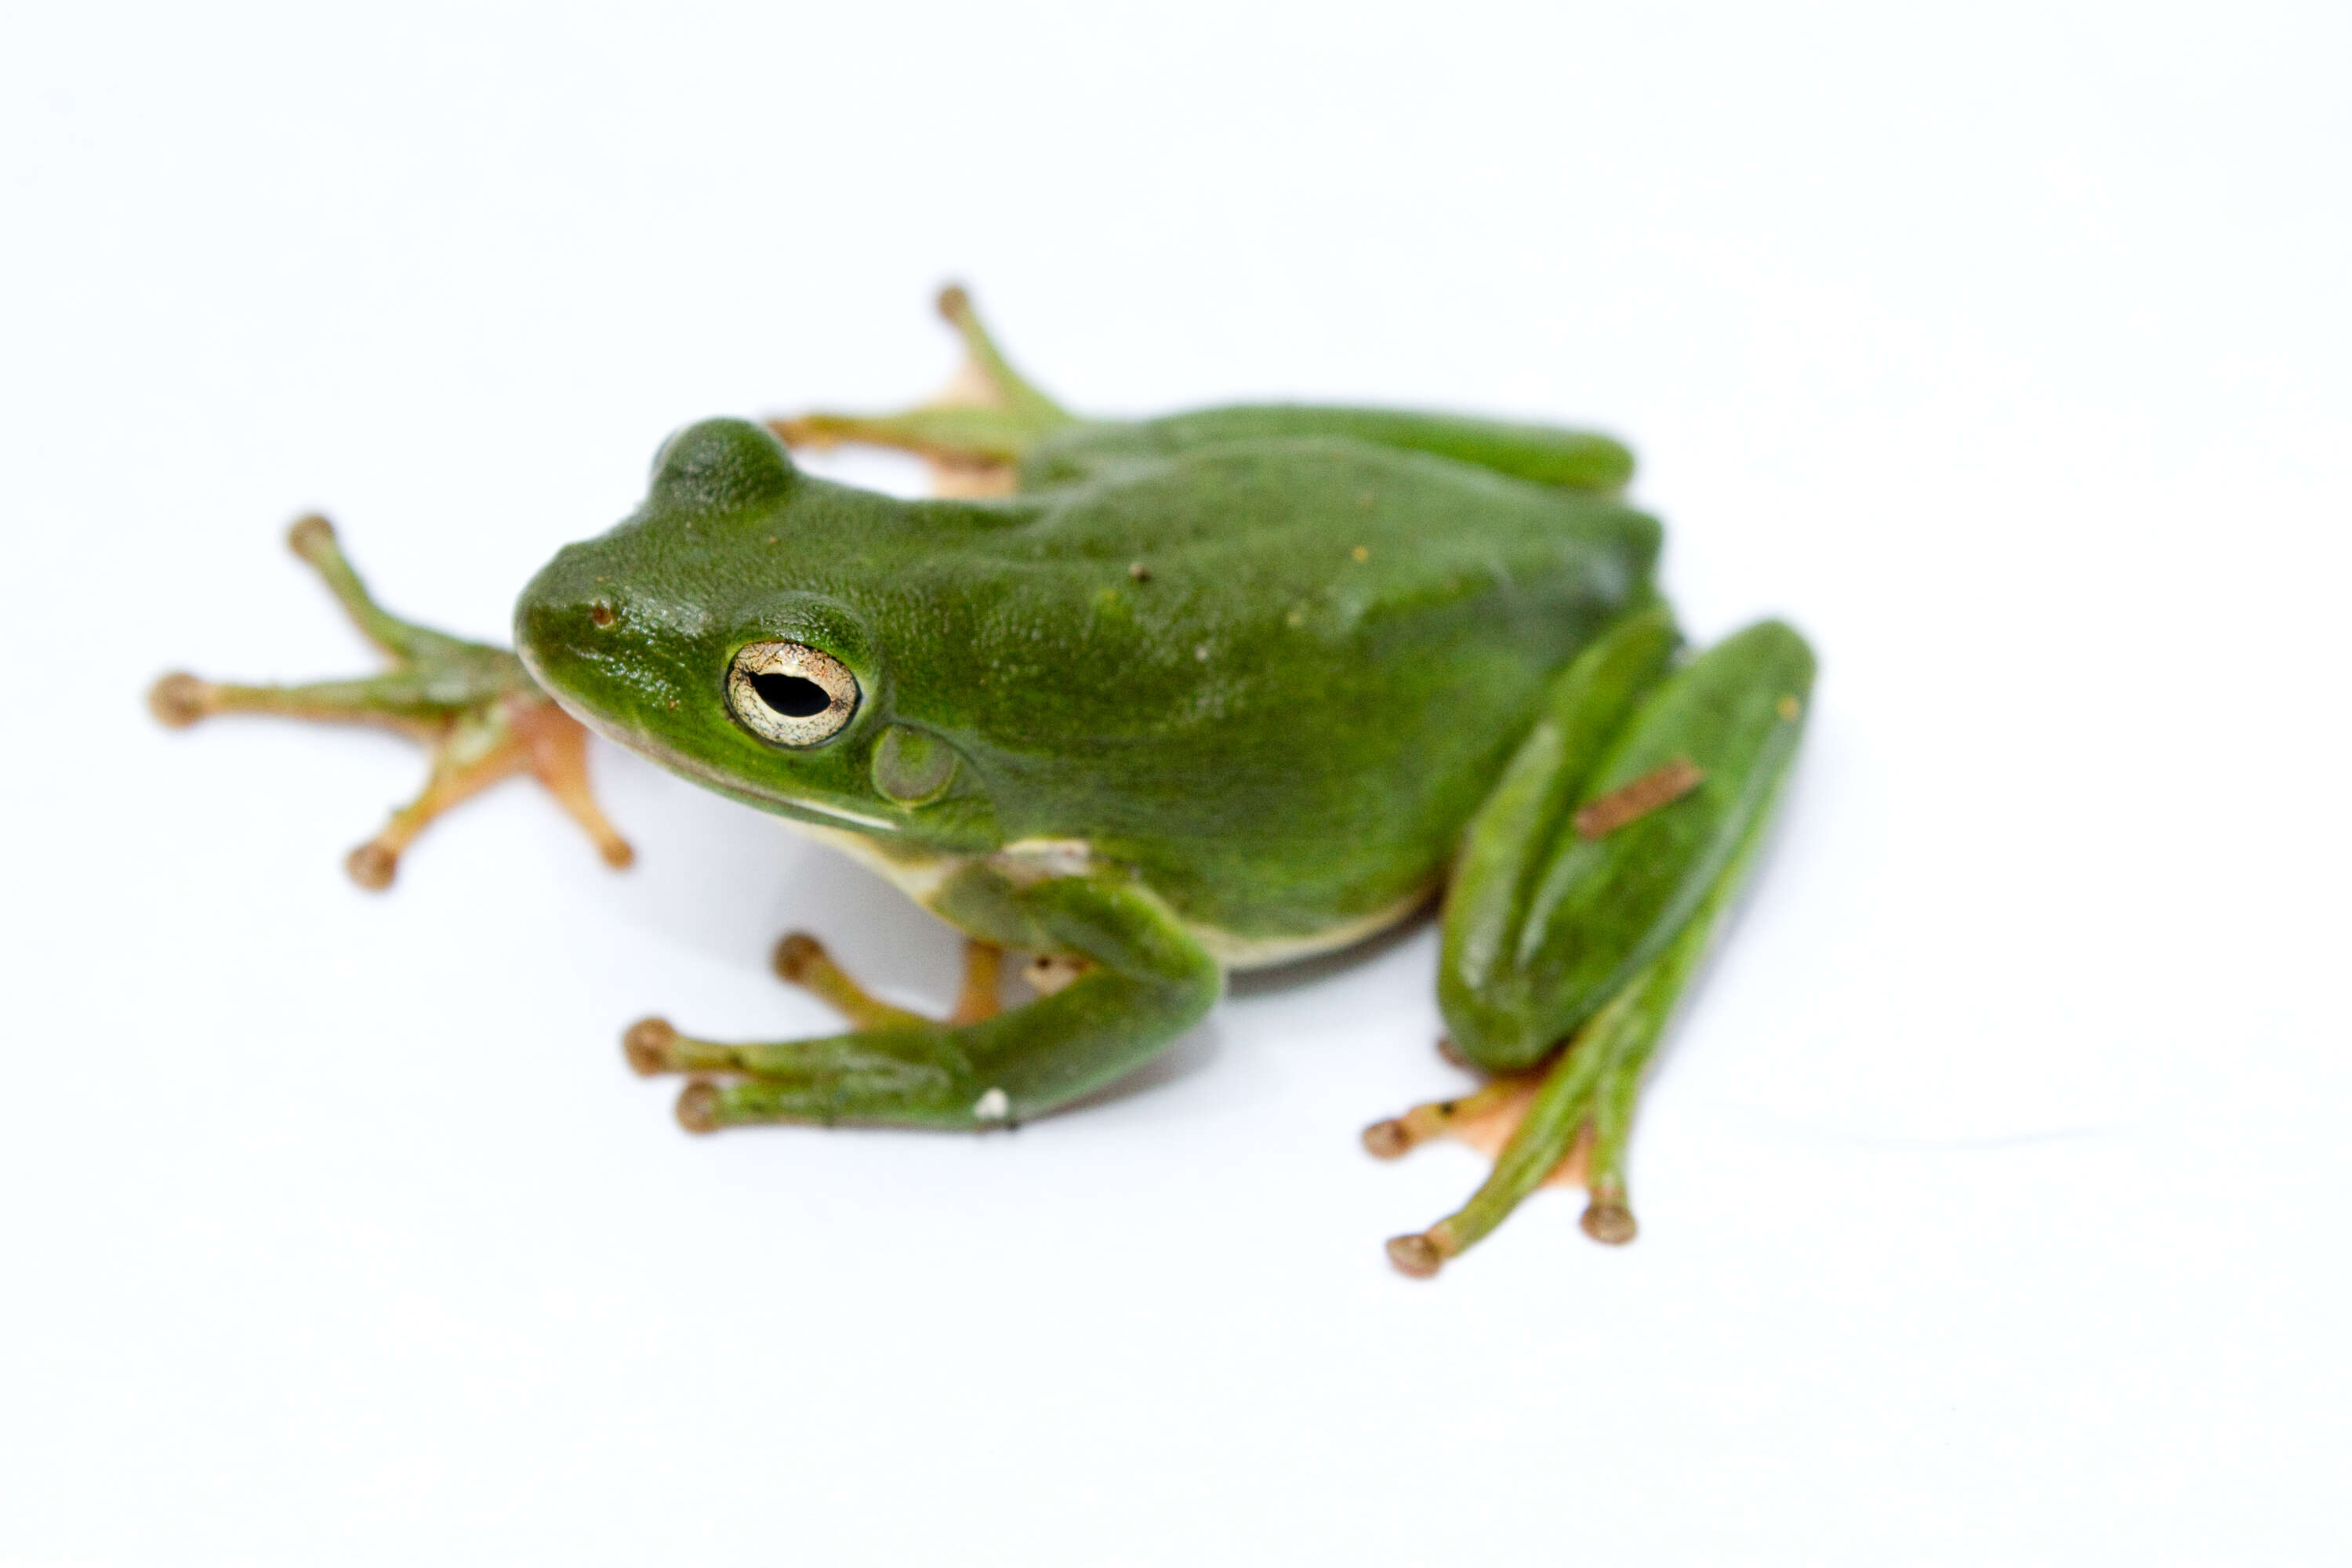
[
  {"x": 1572, "y": 1125},
  {"x": 1589, "y": 886},
  {"x": 473, "y": 706},
  {"x": 973, "y": 433}
]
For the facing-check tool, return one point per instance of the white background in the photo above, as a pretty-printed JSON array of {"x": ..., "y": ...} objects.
[{"x": 1992, "y": 1193}]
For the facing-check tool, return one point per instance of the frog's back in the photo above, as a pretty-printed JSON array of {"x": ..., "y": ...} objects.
[
  {"x": 1548, "y": 454},
  {"x": 1274, "y": 673}
]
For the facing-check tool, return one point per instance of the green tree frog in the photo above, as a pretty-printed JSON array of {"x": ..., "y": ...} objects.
[{"x": 1151, "y": 701}]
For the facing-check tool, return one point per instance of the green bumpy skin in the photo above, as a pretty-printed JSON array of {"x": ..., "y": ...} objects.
[{"x": 1269, "y": 677}]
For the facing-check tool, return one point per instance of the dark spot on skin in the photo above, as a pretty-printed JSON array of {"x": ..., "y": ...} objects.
[
  {"x": 602, "y": 615},
  {"x": 1140, "y": 572},
  {"x": 1447, "y": 1108}
]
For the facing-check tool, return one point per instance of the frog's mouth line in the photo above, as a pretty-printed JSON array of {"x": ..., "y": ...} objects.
[{"x": 692, "y": 768}]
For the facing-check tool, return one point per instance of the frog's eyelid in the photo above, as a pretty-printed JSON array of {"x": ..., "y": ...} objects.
[{"x": 791, "y": 694}]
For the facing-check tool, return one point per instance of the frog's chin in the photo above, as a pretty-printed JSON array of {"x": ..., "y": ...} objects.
[{"x": 814, "y": 811}]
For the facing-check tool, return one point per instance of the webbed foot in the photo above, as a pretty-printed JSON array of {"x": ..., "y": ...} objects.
[
  {"x": 1135, "y": 979},
  {"x": 1549, "y": 1128},
  {"x": 654, "y": 1047},
  {"x": 973, "y": 433},
  {"x": 473, "y": 706}
]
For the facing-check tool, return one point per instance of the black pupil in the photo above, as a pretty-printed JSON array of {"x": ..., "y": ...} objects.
[{"x": 794, "y": 695}]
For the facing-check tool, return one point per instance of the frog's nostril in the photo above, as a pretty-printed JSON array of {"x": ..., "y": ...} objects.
[{"x": 602, "y": 615}]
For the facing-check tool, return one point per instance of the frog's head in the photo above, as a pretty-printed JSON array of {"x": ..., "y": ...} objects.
[{"x": 714, "y": 631}]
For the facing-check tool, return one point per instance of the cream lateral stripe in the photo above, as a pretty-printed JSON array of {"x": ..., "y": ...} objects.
[
  {"x": 1265, "y": 952},
  {"x": 844, "y": 813},
  {"x": 920, "y": 879}
]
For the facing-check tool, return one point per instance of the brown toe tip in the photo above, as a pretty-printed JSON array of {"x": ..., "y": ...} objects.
[
  {"x": 310, "y": 535},
  {"x": 1387, "y": 1140},
  {"x": 1417, "y": 1256},
  {"x": 954, "y": 301},
  {"x": 617, "y": 855},
  {"x": 1610, "y": 1223},
  {"x": 177, "y": 699},
  {"x": 371, "y": 866},
  {"x": 795, "y": 954},
  {"x": 697, "y": 1107},
  {"x": 647, "y": 1045}
]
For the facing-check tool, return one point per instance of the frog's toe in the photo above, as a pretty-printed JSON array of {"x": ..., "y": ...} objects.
[
  {"x": 312, "y": 538},
  {"x": 801, "y": 960},
  {"x": 372, "y": 866},
  {"x": 1606, "y": 1217},
  {"x": 796, "y": 957},
  {"x": 651, "y": 1045},
  {"x": 179, "y": 700},
  {"x": 698, "y": 1107},
  {"x": 1484, "y": 1119},
  {"x": 973, "y": 433},
  {"x": 1417, "y": 1256}
]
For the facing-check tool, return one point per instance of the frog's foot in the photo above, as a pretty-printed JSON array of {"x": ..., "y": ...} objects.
[
  {"x": 1484, "y": 1118},
  {"x": 473, "y": 706},
  {"x": 913, "y": 1070},
  {"x": 653, "y": 1047},
  {"x": 1140, "y": 981},
  {"x": 1490, "y": 1119},
  {"x": 973, "y": 433},
  {"x": 1564, "y": 1125}
]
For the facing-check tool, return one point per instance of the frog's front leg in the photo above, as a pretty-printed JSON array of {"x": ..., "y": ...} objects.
[
  {"x": 473, "y": 706},
  {"x": 1589, "y": 887},
  {"x": 1142, "y": 980},
  {"x": 973, "y": 434}
]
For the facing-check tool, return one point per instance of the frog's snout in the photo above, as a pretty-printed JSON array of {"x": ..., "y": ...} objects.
[{"x": 562, "y": 614}]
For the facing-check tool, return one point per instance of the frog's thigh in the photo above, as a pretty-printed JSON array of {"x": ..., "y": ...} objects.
[
  {"x": 1597, "y": 915},
  {"x": 1148, "y": 981}
]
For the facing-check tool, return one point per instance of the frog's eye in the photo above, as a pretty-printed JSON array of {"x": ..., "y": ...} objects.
[{"x": 791, "y": 693}]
